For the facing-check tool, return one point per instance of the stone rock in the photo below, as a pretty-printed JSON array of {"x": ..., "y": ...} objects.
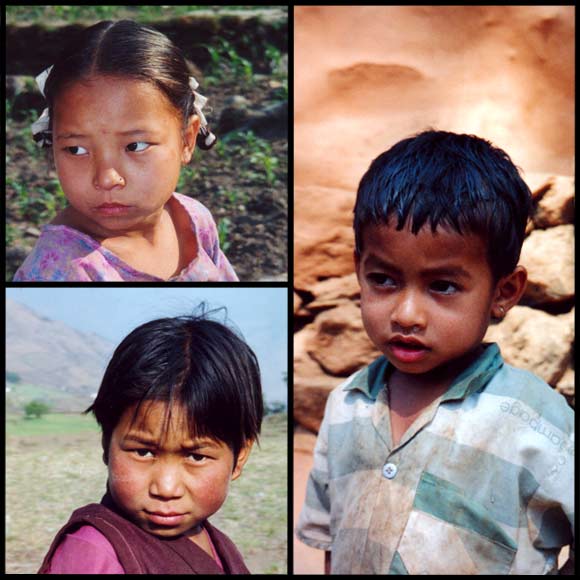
[
  {"x": 505, "y": 73},
  {"x": 297, "y": 303},
  {"x": 554, "y": 199},
  {"x": 271, "y": 122},
  {"x": 333, "y": 291},
  {"x": 311, "y": 384},
  {"x": 548, "y": 256},
  {"x": 340, "y": 344},
  {"x": 309, "y": 403},
  {"x": 324, "y": 240},
  {"x": 536, "y": 341},
  {"x": 557, "y": 205}
]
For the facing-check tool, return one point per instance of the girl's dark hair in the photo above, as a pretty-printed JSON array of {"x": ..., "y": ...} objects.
[
  {"x": 192, "y": 361},
  {"x": 126, "y": 49},
  {"x": 458, "y": 181}
]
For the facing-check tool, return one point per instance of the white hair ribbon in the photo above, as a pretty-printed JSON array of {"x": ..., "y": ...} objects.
[
  {"x": 41, "y": 127},
  {"x": 198, "y": 105}
]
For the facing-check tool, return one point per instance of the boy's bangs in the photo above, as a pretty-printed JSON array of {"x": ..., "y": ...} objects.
[
  {"x": 192, "y": 425},
  {"x": 210, "y": 391}
]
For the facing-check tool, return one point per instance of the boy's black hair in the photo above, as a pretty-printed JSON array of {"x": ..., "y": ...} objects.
[
  {"x": 191, "y": 361},
  {"x": 458, "y": 181}
]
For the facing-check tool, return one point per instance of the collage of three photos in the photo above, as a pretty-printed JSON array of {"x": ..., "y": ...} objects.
[{"x": 335, "y": 339}]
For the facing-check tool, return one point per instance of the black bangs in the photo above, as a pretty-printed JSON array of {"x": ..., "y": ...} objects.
[
  {"x": 191, "y": 362},
  {"x": 444, "y": 179}
]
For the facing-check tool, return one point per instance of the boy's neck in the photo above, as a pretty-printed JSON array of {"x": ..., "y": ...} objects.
[
  {"x": 410, "y": 394},
  {"x": 439, "y": 379}
]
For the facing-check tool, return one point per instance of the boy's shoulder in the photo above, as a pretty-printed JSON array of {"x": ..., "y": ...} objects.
[
  {"x": 517, "y": 391},
  {"x": 357, "y": 393},
  {"x": 140, "y": 552},
  {"x": 84, "y": 550},
  {"x": 527, "y": 396}
]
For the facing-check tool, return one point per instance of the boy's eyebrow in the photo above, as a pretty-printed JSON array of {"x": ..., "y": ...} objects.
[
  {"x": 130, "y": 133},
  {"x": 152, "y": 442},
  {"x": 455, "y": 271}
]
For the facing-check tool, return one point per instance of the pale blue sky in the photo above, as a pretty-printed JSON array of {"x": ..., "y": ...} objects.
[{"x": 261, "y": 314}]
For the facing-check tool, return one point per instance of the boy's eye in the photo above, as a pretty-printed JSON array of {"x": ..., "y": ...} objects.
[
  {"x": 444, "y": 287},
  {"x": 143, "y": 452},
  {"x": 76, "y": 150},
  {"x": 196, "y": 457},
  {"x": 138, "y": 146},
  {"x": 379, "y": 279}
]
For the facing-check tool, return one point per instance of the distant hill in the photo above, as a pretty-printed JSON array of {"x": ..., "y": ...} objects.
[{"x": 47, "y": 359}]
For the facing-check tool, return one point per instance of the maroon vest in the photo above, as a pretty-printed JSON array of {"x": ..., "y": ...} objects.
[{"x": 142, "y": 553}]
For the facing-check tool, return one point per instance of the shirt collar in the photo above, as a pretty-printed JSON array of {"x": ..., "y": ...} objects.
[{"x": 371, "y": 379}]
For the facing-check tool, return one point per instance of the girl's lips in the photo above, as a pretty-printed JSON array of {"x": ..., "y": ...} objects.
[
  {"x": 112, "y": 208},
  {"x": 165, "y": 520}
]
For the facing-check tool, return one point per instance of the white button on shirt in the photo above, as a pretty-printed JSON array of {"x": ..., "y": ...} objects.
[{"x": 390, "y": 470}]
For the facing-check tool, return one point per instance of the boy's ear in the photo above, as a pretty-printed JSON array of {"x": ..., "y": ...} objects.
[
  {"x": 243, "y": 456},
  {"x": 508, "y": 292}
]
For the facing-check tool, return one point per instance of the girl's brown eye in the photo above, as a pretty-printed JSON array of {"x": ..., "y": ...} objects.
[
  {"x": 76, "y": 150},
  {"x": 137, "y": 147}
]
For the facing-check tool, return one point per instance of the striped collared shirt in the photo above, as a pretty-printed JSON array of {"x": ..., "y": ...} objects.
[{"x": 481, "y": 483}]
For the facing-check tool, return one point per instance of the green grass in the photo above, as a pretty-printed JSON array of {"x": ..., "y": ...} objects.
[{"x": 51, "y": 424}]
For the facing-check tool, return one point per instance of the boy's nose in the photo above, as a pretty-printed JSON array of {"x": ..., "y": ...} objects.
[
  {"x": 409, "y": 313},
  {"x": 166, "y": 483}
]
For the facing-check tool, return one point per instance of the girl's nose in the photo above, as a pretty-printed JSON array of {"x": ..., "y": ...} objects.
[
  {"x": 409, "y": 313},
  {"x": 166, "y": 483},
  {"x": 108, "y": 179}
]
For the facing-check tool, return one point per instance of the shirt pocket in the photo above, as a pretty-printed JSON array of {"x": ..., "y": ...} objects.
[{"x": 450, "y": 533}]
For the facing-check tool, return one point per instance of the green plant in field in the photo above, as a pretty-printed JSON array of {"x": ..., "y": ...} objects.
[
  {"x": 226, "y": 62},
  {"x": 223, "y": 231},
  {"x": 36, "y": 409}
]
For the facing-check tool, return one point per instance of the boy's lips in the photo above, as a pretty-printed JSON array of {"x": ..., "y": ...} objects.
[
  {"x": 166, "y": 518},
  {"x": 407, "y": 349}
]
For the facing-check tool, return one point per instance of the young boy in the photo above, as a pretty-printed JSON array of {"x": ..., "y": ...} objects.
[{"x": 439, "y": 458}]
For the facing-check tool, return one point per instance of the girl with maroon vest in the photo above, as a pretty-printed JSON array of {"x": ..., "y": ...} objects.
[{"x": 180, "y": 406}]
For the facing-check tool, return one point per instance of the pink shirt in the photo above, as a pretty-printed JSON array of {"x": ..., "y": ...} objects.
[
  {"x": 87, "y": 551},
  {"x": 64, "y": 254}
]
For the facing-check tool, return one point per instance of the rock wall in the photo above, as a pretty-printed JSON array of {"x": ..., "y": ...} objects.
[{"x": 367, "y": 77}]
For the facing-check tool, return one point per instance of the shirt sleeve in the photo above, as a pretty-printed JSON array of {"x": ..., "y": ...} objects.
[
  {"x": 85, "y": 551},
  {"x": 60, "y": 255},
  {"x": 551, "y": 508},
  {"x": 208, "y": 237},
  {"x": 222, "y": 263},
  {"x": 314, "y": 522}
]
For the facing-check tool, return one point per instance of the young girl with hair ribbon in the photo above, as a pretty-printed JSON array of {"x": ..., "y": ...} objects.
[{"x": 123, "y": 116}]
